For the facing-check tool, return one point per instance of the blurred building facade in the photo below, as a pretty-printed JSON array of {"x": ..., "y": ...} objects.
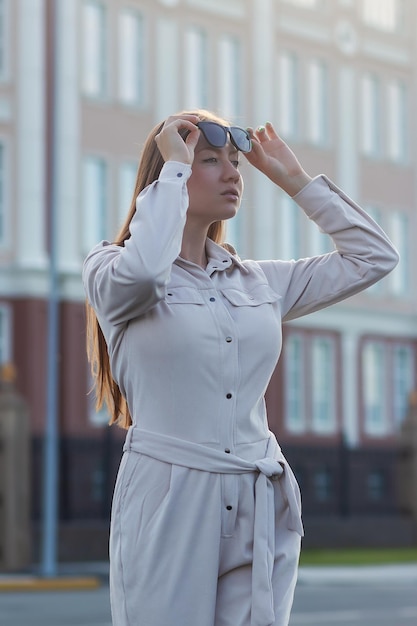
[{"x": 81, "y": 84}]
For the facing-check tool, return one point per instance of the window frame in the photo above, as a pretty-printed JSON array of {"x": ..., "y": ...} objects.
[
  {"x": 371, "y": 115},
  {"x": 230, "y": 76},
  {"x": 101, "y": 92},
  {"x": 5, "y": 41},
  {"x": 317, "y": 130},
  {"x": 197, "y": 70},
  {"x": 6, "y": 329},
  {"x": 372, "y": 15},
  {"x": 387, "y": 389},
  {"x": 288, "y": 96},
  {"x": 140, "y": 79},
  {"x": 307, "y": 423},
  {"x": 89, "y": 221},
  {"x": 5, "y": 204}
]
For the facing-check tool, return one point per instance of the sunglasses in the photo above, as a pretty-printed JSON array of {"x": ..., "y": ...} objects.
[{"x": 216, "y": 135}]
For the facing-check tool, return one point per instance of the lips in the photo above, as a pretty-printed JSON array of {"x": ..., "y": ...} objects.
[{"x": 231, "y": 192}]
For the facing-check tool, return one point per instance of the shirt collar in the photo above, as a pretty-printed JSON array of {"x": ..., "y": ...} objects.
[{"x": 220, "y": 259}]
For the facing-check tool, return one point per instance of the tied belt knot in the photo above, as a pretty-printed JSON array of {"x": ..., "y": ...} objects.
[{"x": 273, "y": 467}]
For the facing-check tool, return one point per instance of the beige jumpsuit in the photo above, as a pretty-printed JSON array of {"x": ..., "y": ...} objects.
[{"x": 206, "y": 519}]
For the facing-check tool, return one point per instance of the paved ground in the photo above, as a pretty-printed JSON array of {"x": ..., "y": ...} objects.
[
  {"x": 356, "y": 596},
  {"x": 90, "y": 575},
  {"x": 365, "y": 574},
  {"x": 325, "y": 596}
]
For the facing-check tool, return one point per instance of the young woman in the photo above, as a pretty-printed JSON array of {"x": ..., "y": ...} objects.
[{"x": 183, "y": 339}]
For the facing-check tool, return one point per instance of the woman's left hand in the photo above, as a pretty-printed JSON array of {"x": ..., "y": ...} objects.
[{"x": 271, "y": 155}]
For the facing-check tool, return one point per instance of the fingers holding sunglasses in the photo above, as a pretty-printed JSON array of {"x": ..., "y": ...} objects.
[
  {"x": 264, "y": 133},
  {"x": 272, "y": 156},
  {"x": 257, "y": 156},
  {"x": 178, "y": 138}
]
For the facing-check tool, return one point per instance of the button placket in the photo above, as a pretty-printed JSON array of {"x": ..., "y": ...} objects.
[
  {"x": 230, "y": 487},
  {"x": 229, "y": 367}
]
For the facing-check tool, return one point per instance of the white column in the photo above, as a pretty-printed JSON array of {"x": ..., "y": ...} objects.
[
  {"x": 167, "y": 68},
  {"x": 347, "y": 179},
  {"x": 30, "y": 136},
  {"x": 264, "y": 193},
  {"x": 350, "y": 426},
  {"x": 67, "y": 136},
  {"x": 347, "y": 157}
]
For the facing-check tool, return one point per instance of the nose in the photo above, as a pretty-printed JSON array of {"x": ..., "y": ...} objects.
[{"x": 230, "y": 172}]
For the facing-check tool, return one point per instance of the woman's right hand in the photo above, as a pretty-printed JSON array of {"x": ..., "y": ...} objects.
[{"x": 170, "y": 143}]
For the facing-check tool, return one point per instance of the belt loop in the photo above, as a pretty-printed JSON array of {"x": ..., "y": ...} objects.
[{"x": 128, "y": 441}]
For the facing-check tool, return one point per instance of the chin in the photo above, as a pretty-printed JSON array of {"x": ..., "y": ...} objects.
[{"x": 229, "y": 213}]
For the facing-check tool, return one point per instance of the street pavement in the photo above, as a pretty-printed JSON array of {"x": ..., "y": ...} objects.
[
  {"x": 364, "y": 574},
  {"x": 356, "y": 596},
  {"x": 325, "y": 596}
]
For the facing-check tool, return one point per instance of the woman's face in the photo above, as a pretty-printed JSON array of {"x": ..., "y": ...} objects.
[{"x": 215, "y": 186}]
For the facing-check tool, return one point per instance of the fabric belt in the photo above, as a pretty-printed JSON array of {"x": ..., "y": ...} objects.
[{"x": 273, "y": 466}]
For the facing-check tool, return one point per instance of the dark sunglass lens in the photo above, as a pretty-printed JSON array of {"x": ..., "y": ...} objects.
[
  {"x": 241, "y": 139},
  {"x": 214, "y": 133}
]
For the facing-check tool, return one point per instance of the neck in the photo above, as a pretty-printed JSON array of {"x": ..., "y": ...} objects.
[{"x": 193, "y": 247}]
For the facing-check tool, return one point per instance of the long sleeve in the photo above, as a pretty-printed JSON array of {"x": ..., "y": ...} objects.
[
  {"x": 363, "y": 254},
  {"x": 124, "y": 282}
]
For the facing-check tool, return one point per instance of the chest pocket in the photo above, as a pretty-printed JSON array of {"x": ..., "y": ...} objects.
[
  {"x": 261, "y": 294},
  {"x": 183, "y": 295}
]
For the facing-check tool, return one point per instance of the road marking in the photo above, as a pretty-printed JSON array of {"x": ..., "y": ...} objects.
[
  {"x": 355, "y": 617},
  {"x": 94, "y": 624},
  {"x": 408, "y": 611},
  {"x": 326, "y": 618}
]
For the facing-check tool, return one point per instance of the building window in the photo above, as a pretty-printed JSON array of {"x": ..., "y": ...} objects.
[
  {"x": 388, "y": 378},
  {"x": 317, "y": 110},
  {"x": 322, "y": 481},
  {"x": 196, "y": 76},
  {"x": 404, "y": 368},
  {"x": 288, "y": 94},
  {"x": 376, "y": 484},
  {"x": 295, "y": 416},
  {"x": 305, "y": 4},
  {"x": 374, "y": 386},
  {"x": 95, "y": 418},
  {"x": 94, "y": 49},
  {"x": 4, "y": 39},
  {"x": 382, "y": 14},
  {"x": 4, "y": 209},
  {"x": 132, "y": 58},
  {"x": 370, "y": 115},
  {"x": 95, "y": 226},
  {"x": 397, "y": 121},
  {"x": 310, "y": 385},
  {"x": 5, "y": 334},
  {"x": 127, "y": 180},
  {"x": 399, "y": 279},
  {"x": 229, "y": 77},
  {"x": 290, "y": 229},
  {"x": 323, "y": 388}
]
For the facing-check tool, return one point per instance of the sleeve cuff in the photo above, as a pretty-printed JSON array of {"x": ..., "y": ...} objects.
[{"x": 175, "y": 170}]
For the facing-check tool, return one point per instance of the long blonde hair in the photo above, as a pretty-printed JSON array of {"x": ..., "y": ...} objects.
[{"x": 106, "y": 389}]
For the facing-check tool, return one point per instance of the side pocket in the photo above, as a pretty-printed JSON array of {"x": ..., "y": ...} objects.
[
  {"x": 128, "y": 465},
  {"x": 157, "y": 477}
]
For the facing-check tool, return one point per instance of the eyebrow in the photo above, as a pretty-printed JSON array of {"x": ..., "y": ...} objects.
[{"x": 232, "y": 150}]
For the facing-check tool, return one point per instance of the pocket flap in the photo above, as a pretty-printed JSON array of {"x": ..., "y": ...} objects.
[{"x": 261, "y": 294}]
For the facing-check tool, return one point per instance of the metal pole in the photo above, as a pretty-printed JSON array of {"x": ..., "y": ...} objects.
[{"x": 50, "y": 456}]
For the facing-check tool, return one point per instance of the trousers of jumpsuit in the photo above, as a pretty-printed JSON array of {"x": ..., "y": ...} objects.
[
  {"x": 236, "y": 527},
  {"x": 205, "y": 529}
]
